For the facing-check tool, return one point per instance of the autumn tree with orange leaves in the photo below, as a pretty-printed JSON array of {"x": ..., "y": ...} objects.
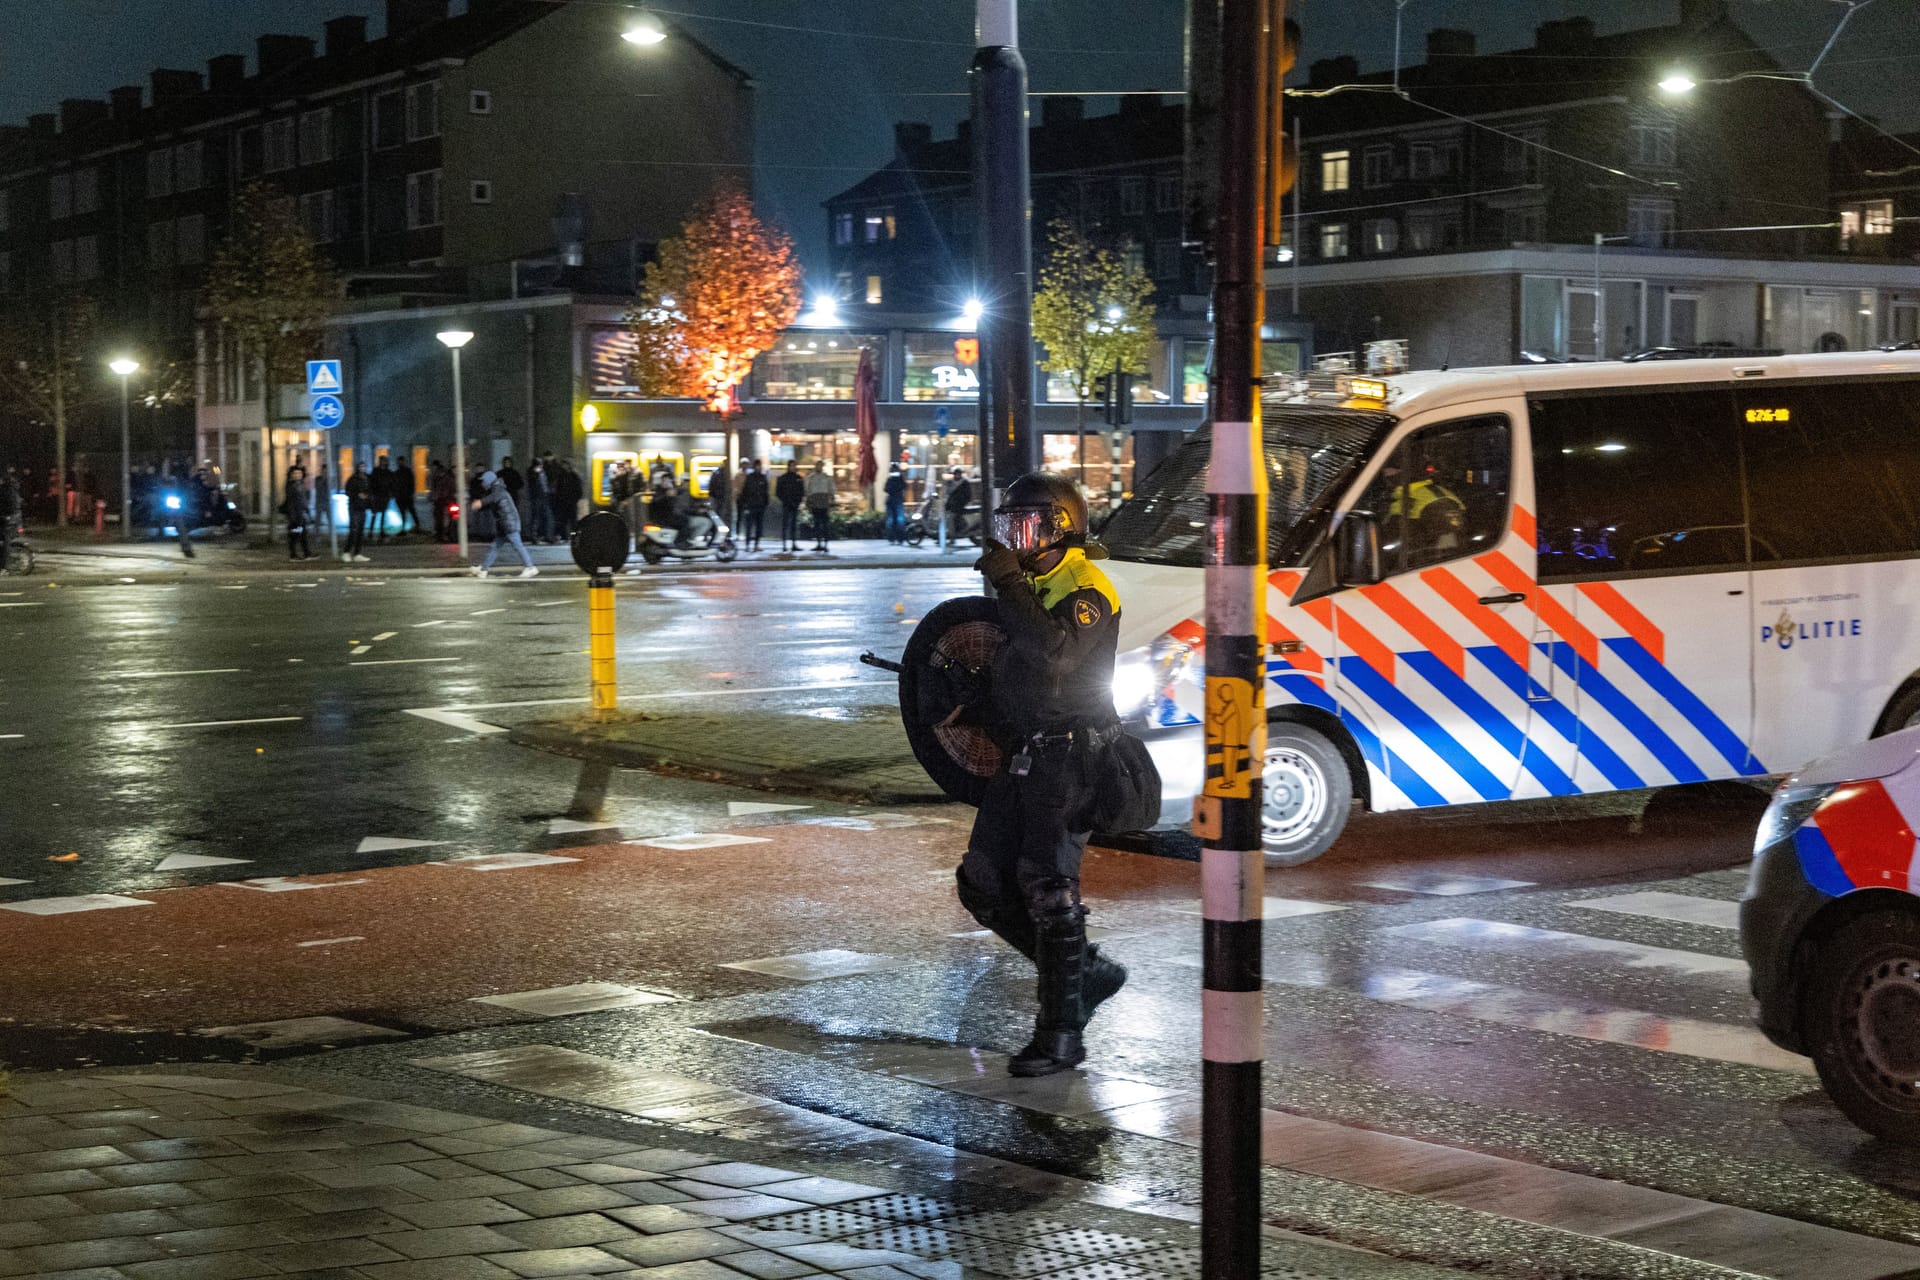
[{"x": 717, "y": 296}]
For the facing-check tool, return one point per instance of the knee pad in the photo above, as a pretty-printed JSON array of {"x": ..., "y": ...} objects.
[
  {"x": 1055, "y": 906},
  {"x": 982, "y": 906}
]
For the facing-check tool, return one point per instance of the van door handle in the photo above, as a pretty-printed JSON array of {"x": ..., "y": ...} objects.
[{"x": 1512, "y": 597}]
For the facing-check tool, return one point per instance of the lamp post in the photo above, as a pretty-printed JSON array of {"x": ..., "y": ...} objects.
[
  {"x": 126, "y": 367},
  {"x": 454, "y": 339},
  {"x": 646, "y": 30}
]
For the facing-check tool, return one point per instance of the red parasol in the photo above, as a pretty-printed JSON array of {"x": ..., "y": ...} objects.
[{"x": 866, "y": 416}]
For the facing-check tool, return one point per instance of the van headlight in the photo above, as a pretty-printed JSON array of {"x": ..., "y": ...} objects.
[
  {"x": 1790, "y": 807},
  {"x": 1133, "y": 684}
]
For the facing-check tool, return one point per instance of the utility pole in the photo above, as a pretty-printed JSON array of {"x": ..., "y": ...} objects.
[
  {"x": 1253, "y": 49},
  {"x": 1117, "y": 395},
  {"x": 1003, "y": 252},
  {"x": 59, "y": 419}
]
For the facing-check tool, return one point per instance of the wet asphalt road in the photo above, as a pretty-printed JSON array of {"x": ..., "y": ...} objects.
[
  {"x": 1445, "y": 978},
  {"x": 113, "y": 695}
]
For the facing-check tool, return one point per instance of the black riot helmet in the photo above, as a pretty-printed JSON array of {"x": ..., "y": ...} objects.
[{"x": 1039, "y": 512}]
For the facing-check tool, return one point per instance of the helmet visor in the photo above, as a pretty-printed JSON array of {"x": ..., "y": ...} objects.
[{"x": 1025, "y": 529}]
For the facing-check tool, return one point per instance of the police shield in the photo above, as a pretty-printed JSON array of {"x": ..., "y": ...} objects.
[{"x": 945, "y": 702}]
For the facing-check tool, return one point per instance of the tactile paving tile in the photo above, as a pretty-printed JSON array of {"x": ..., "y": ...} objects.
[
  {"x": 1091, "y": 1244},
  {"x": 1016, "y": 1228},
  {"x": 905, "y": 1208},
  {"x": 1177, "y": 1264},
  {"x": 828, "y": 1224},
  {"x": 922, "y": 1241},
  {"x": 1102, "y": 1271}
]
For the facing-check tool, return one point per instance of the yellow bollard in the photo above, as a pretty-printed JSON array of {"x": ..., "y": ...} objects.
[{"x": 606, "y": 696}]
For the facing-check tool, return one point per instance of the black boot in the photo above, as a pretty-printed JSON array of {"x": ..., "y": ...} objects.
[
  {"x": 1102, "y": 981},
  {"x": 1061, "y": 958}
]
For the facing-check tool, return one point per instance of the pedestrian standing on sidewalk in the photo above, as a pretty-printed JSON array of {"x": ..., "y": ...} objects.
[
  {"x": 720, "y": 494},
  {"x": 820, "y": 497},
  {"x": 791, "y": 490},
  {"x": 379, "y": 497},
  {"x": 896, "y": 491},
  {"x": 404, "y": 483},
  {"x": 1052, "y": 694},
  {"x": 443, "y": 498},
  {"x": 567, "y": 492},
  {"x": 322, "y": 498},
  {"x": 294, "y": 507},
  {"x": 359, "y": 496},
  {"x": 753, "y": 505},
  {"x": 9, "y": 517},
  {"x": 506, "y": 525},
  {"x": 510, "y": 476},
  {"x": 539, "y": 504}
]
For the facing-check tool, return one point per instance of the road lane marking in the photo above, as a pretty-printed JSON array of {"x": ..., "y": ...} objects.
[
  {"x": 571, "y": 826},
  {"x": 4, "y": 736},
  {"x": 580, "y": 997},
  {"x": 385, "y": 635},
  {"x": 66, "y": 906},
  {"x": 285, "y": 1033},
  {"x": 396, "y": 662},
  {"x": 220, "y": 724},
  {"x": 698, "y": 840},
  {"x": 1520, "y": 939},
  {"x": 481, "y": 613},
  {"x": 455, "y": 720},
  {"x": 383, "y": 844},
  {"x": 329, "y": 942},
  {"x": 21, "y": 604},
  {"x": 777, "y": 644},
  {"x": 182, "y": 861},
  {"x": 361, "y": 648},
  {"x": 5, "y": 881},
  {"x": 281, "y": 884},
  {"x": 1715, "y": 913},
  {"x": 458, "y": 717},
  {"x": 503, "y": 861},
  {"x": 437, "y": 622},
  {"x": 1440, "y": 884},
  {"x": 546, "y": 604},
  {"x": 159, "y": 675}
]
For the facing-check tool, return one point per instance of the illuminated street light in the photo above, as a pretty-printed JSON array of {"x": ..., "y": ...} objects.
[
  {"x": 1116, "y": 314},
  {"x": 1677, "y": 82},
  {"x": 646, "y": 30},
  {"x": 453, "y": 340},
  {"x": 124, "y": 367},
  {"x": 973, "y": 309}
]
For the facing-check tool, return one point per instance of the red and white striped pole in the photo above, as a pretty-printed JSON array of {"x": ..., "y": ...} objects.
[{"x": 1227, "y": 812}]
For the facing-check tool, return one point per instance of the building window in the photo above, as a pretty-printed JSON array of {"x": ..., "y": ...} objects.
[
  {"x": 1524, "y": 225},
  {"x": 317, "y": 216},
  {"x": 843, "y": 228},
  {"x": 60, "y": 259},
  {"x": 423, "y": 199},
  {"x": 1133, "y": 196},
  {"x": 480, "y": 102},
  {"x": 1433, "y": 159},
  {"x": 880, "y": 225},
  {"x": 278, "y": 136},
  {"x": 247, "y": 151},
  {"x": 1334, "y": 175},
  {"x": 1377, "y": 166},
  {"x": 1869, "y": 218},
  {"x": 874, "y": 294},
  {"x": 1333, "y": 240},
  {"x": 1166, "y": 195},
  {"x": 60, "y": 196},
  {"x": 1429, "y": 229},
  {"x": 189, "y": 166},
  {"x": 160, "y": 247},
  {"x": 1522, "y": 153},
  {"x": 190, "y": 240},
  {"x": 86, "y": 191},
  {"x": 1381, "y": 235},
  {"x": 1653, "y": 144},
  {"x": 1650, "y": 223},
  {"x": 480, "y": 192},
  {"x": 159, "y": 173},
  {"x": 316, "y": 137},
  {"x": 86, "y": 258},
  {"x": 389, "y": 120},
  {"x": 423, "y": 111},
  {"x": 388, "y": 201},
  {"x": 1166, "y": 260}
]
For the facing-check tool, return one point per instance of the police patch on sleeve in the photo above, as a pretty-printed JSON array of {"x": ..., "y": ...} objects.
[{"x": 1085, "y": 613}]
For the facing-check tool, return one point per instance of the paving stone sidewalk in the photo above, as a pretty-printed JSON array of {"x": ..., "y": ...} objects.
[{"x": 121, "y": 1175}]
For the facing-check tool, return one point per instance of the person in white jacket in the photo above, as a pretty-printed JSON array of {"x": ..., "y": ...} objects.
[{"x": 820, "y": 503}]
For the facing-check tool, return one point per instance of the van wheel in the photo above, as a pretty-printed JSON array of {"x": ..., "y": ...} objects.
[
  {"x": 1901, "y": 713},
  {"x": 1307, "y": 794},
  {"x": 1861, "y": 1019}
]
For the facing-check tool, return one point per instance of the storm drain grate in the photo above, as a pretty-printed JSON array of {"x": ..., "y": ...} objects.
[
  {"x": 827, "y": 1223},
  {"x": 1091, "y": 1244},
  {"x": 904, "y": 1208}
]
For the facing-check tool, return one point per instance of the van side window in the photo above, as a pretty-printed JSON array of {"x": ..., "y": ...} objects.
[
  {"x": 1833, "y": 469},
  {"x": 1442, "y": 493},
  {"x": 1637, "y": 482}
]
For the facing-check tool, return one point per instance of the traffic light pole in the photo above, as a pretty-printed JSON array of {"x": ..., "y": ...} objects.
[
  {"x": 1227, "y": 812},
  {"x": 1004, "y": 250}
]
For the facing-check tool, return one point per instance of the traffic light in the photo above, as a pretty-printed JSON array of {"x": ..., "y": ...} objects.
[
  {"x": 1116, "y": 398},
  {"x": 1282, "y": 159}
]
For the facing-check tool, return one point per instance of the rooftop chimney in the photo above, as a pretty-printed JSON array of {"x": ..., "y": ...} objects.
[
  {"x": 406, "y": 15},
  {"x": 169, "y": 86},
  {"x": 1569, "y": 35},
  {"x": 345, "y": 34},
  {"x": 280, "y": 53},
  {"x": 1449, "y": 42},
  {"x": 127, "y": 100},
  {"x": 43, "y": 125},
  {"x": 227, "y": 72},
  {"x": 78, "y": 113},
  {"x": 1063, "y": 109},
  {"x": 910, "y": 137},
  {"x": 1328, "y": 72}
]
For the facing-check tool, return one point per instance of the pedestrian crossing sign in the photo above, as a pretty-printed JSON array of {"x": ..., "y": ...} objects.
[{"x": 323, "y": 377}]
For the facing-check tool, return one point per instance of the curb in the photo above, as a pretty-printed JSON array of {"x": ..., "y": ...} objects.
[{"x": 826, "y": 779}]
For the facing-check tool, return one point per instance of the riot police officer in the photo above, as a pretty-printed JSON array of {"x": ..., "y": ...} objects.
[{"x": 1053, "y": 702}]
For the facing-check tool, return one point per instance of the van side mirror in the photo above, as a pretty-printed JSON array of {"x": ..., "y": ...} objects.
[{"x": 1357, "y": 550}]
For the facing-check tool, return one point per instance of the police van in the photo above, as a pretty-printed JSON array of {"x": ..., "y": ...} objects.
[{"x": 1509, "y": 583}]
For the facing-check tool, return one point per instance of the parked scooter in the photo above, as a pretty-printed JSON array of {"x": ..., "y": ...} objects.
[
  {"x": 708, "y": 538},
  {"x": 926, "y": 523}
]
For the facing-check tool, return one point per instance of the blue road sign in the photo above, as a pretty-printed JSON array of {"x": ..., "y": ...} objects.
[
  {"x": 327, "y": 412},
  {"x": 940, "y": 423},
  {"x": 323, "y": 378}
]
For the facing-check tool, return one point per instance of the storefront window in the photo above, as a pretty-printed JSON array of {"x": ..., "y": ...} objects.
[
  {"x": 813, "y": 365},
  {"x": 1146, "y": 386},
  {"x": 942, "y": 366},
  {"x": 1089, "y": 459}
]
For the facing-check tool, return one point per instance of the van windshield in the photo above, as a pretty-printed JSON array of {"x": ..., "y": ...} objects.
[{"x": 1308, "y": 448}]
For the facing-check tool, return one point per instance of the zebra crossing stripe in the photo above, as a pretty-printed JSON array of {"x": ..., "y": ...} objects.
[
  {"x": 1502, "y": 936},
  {"x": 1681, "y": 908}
]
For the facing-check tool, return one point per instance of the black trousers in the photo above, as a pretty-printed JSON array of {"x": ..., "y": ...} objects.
[
  {"x": 297, "y": 542},
  {"x": 752, "y": 521},
  {"x": 1023, "y": 857},
  {"x": 356, "y": 527},
  {"x": 789, "y": 525}
]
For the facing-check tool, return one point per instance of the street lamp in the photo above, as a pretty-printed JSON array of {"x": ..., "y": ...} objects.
[
  {"x": 125, "y": 367},
  {"x": 646, "y": 30},
  {"x": 1677, "y": 82},
  {"x": 453, "y": 340}
]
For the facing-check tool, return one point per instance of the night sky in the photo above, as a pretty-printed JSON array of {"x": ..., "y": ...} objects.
[{"x": 834, "y": 75}]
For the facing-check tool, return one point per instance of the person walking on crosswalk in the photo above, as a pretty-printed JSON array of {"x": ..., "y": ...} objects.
[{"x": 506, "y": 525}]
